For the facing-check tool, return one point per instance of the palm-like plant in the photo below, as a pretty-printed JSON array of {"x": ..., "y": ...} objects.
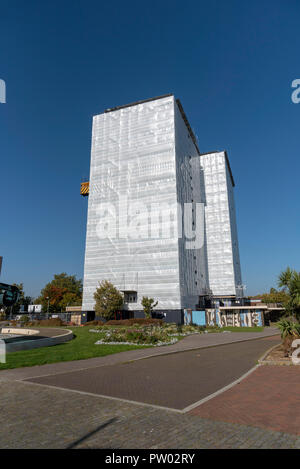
[
  {"x": 294, "y": 284},
  {"x": 288, "y": 328},
  {"x": 290, "y": 281},
  {"x": 285, "y": 278}
]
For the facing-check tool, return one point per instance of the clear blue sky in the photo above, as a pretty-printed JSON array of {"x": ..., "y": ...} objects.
[{"x": 230, "y": 62}]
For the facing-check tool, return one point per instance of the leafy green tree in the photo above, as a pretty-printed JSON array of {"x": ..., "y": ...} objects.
[
  {"x": 64, "y": 290},
  {"x": 23, "y": 300},
  {"x": 108, "y": 300},
  {"x": 70, "y": 299},
  {"x": 148, "y": 306},
  {"x": 68, "y": 282},
  {"x": 275, "y": 296}
]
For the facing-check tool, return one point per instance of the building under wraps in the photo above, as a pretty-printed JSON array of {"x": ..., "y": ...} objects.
[{"x": 161, "y": 215}]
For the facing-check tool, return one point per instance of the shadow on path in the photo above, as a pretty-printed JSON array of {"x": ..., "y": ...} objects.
[{"x": 88, "y": 435}]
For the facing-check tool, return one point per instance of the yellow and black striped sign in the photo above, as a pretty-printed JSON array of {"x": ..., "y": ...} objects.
[{"x": 84, "y": 189}]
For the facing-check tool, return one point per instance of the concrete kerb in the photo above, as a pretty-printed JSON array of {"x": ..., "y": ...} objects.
[
  {"x": 37, "y": 343},
  {"x": 19, "y": 331},
  {"x": 220, "y": 391},
  {"x": 263, "y": 361}
]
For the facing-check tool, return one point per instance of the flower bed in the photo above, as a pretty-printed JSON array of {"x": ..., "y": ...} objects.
[
  {"x": 149, "y": 334},
  {"x": 158, "y": 344}
]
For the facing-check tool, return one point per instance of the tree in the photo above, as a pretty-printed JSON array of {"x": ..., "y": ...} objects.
[
  {"x": 108, "y": 300},
  {"x": 285, "y": 277},
  {"x": 148, "y": 306},
  {"x": 23, "y": 300},
  {"x": 275, "y": 296},
  {"x": 62, "y": 291},
  {"x": 290, "y": 281},
  {"x": 69, "y": 299}
]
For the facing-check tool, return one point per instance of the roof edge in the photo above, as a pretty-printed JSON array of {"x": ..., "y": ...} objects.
[
  {"x": 117, "y": 108},
  {"x": 227, "y": 162},
  {"x": 183, "y": 114}
]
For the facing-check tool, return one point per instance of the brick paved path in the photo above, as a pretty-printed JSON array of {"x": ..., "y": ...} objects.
[
  {"x": 268, "y": 398},
  {"x": 175, "y": 381},
  {"x": 33, "y": 416}
]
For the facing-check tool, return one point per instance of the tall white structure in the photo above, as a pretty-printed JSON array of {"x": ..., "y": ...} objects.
[
  {"x": 151, "y": 202},
  {"x": 223, "y": 259}
]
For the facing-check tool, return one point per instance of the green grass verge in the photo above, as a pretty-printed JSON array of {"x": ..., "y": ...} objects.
[
  {"x": 243, "y": 329},
  {"x": 81, "y": 347}
]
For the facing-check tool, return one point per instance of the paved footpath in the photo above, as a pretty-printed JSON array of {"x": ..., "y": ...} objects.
[
  {"x": 174, "y": 381},
  {"x": 38, "y": 416},
  {"x": 268, "y": 398}
]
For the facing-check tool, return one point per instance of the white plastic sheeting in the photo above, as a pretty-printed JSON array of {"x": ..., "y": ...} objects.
[
  {"x": 221, "y": 232},
  {"x": 190, "y": 190},
  {"x": 133, "y": 164},
  {"x": 145, "y": 167}
]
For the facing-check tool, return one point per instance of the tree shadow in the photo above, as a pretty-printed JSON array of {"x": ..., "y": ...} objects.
[{"x": 88, "y": 435}]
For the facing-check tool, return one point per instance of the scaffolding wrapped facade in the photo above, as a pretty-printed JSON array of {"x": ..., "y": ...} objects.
[
  {"x": 149, "y": 190},
  {"x": 224, "y": 269}
]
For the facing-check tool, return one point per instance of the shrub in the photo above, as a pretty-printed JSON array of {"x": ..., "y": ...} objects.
[
  {"x": 108, "y": 299},
  {"x": 53, "y": 322},
  {"x": 148, "y": 305},
  {"x": 132, "y": 321},
  {"x": 192, "y": 328},
  {"x": 288, "y": 328},
  {"x": 213, "y": 328},
  {"x": 24, "y": 319},
  {"x": 146, "y": 335},
  {"x": 94, "y": 323}
]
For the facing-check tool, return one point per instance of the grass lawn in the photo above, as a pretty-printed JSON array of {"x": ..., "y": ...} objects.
[
  {"x": 243, "y": 329},
  {"x": 81, "y": 347}
]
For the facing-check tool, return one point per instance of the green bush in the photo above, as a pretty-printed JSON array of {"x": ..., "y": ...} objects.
[
  {"x": 134, "y": 321},
  {"x": 52, "y": 322},
  {"x": 288, "y": 328},
  {"x": 24, "y": 319},
  {"x": 192, "y": 328},
  {"x": 2, "y": 316},
  {"x": 94, "y": 323},
  {"x": 149, "y": 334}
]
